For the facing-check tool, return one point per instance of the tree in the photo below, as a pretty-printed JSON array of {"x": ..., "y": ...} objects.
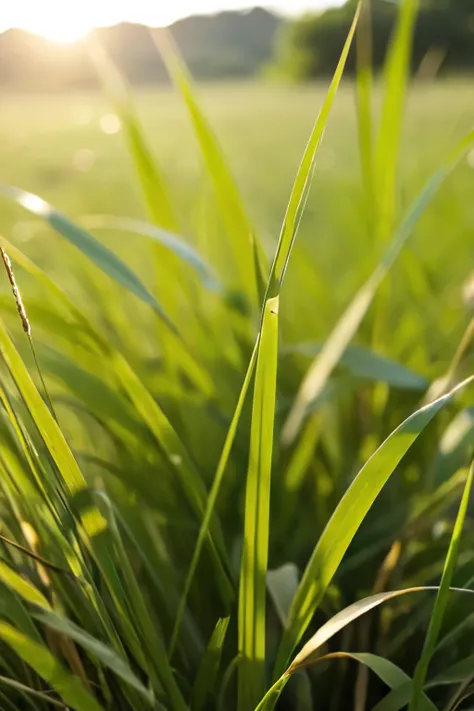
[{"x": 310, "y": 47}]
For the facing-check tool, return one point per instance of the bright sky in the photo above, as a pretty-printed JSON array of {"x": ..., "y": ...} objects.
[{"x": 66, "y": 21}]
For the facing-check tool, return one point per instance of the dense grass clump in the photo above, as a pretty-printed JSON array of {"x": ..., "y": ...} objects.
[{"x": 203, "y": 506}]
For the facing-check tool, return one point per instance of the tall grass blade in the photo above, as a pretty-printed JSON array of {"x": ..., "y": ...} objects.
[
  {"x": 441, "y": 598},
  {"x": 252, "y": 589},
  {"x": 243, "y": 240},
  {"x": 347, "y": 326},
  {"x": 388, "y": 139},
  {"x": 153, "y": 184},
  {"x": 346, "y": 520},
  {"x": 304, "y": 175},
  {"x": 364, "y": 108}
]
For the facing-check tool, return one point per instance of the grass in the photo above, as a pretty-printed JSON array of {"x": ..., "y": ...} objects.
[{"x": 220, "y": 490}]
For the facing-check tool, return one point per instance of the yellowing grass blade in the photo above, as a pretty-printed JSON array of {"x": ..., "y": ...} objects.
[{"x": 346, "y": 520}]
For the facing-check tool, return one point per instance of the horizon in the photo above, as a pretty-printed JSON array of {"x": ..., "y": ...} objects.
[{"x": 70, "y": 26}]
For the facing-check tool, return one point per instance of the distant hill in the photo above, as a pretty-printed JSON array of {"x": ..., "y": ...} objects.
[{"x": 228, "y": 44}]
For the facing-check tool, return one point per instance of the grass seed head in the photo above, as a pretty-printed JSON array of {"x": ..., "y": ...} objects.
[{"x": 16, "y": 293}]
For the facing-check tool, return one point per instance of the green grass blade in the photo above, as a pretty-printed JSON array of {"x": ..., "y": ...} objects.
[
  {"x": 441, "y": 598},
  {"x": 348, "y": 615},
  {"x": 345, "y": 329},
  {"x": 31, "y": 692},
  {"x": 208, "y": 670},
  {"x": 212, "y": 498},
  {"x": 23, "y": 587},
  {"x": 102, "y": 257},
  {"x": 153, "y": 184},
  {"x": 346, "y": 520},
  {"x": 304, "y": 175},
  {"x": 69, "y": 687},
  {"x": 179, "y": 461},
  {"x": 171, "y": 241},
  {"x": 388, "y": 139},
  {"x": 364, "y": 81},
  {"x": 253, "y": 574},
  {"x": 117, "y": 270},
  {"x": 138, "y": 614},
  {"x": 368, "y": 365},
  {"x": 145, "y": 405},
  {"x": 388, "y": 672},
  {"x": 308, "y": 655},
  {"x": 44, "y": 421},
  {"x": 252, "y": 591},
  {"x": 243, "y": 241},
  {"x": 107, "y": 656}
]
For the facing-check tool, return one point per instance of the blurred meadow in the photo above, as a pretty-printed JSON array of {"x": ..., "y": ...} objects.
[
  {"x": 231, "y": 480},
  {"x": 71, "y": 150}
]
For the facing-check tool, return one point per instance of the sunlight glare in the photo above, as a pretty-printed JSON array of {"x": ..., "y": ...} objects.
[{"x": 57, "y": 26}]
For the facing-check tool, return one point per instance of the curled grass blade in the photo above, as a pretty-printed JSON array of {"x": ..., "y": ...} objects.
[
  {"x": 346, "y": 520},
  {"x": 347, "y": 326},
  {"x": 308, "y": 654}
]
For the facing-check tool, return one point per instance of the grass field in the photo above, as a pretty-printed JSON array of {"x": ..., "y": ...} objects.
[
  {"x": 114, "y": 509},
  {"x": 57, "y": 148}
]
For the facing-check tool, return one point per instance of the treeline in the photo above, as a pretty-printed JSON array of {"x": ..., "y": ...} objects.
[
  {"x": 443, "y": 39},
  {"x": 227, "y": 45}
]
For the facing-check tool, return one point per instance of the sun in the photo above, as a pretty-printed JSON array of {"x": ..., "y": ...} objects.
[{"x": 62, "y": 29}]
